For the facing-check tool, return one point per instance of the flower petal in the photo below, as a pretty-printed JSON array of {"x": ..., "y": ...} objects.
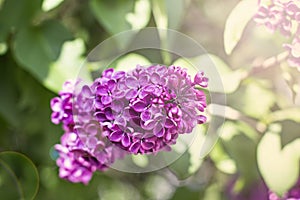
[
  {"x": 149, "y": 124},
  {"x": 125, "y": 140},
  {"x": 131, "y": 82},
  {"x": 159, "y": 130},
  {"x": 108, "y": 73},
  {"x": 116, "y": 136},
  {"x": 134, "y": 148},
  {"x": 106, "y": 100},
  {"x": 147, "y": 145},
  {"x": 102, "y": 90},
  {"x": 86, "y": 91},
  {"x": 139, "y": 106}
]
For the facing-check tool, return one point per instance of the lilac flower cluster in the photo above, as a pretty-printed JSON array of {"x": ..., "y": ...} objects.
[
  {"x": 292, "y": 194},
  {"x": 279, "y": 15},
  {"x": 141, "y": 111},
  {"x": 283, "y": 15},
  {"x": 144, "y": 110},
  {"x": 294, "y": 51},
  {"x": 83, "y": 148}
]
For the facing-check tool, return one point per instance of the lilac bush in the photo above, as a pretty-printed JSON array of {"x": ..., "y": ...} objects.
[{"x": 142, "y": 111}]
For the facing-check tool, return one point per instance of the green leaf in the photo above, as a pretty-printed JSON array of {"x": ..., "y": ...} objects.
[
  {"x": 35, "y": 48},
  {"x": 19, "y": 176},
  {"x": 291, "y": 113},
  {"x": 8, "y": 108},
  {"x": 69, "y": 66},
  {"x": 243, "y": 100},
  {"x": 181, "y": 166},
  {"x": 240, "y": 148},
  {"x": 222, "y": 160},
  {"x": 3, "y": 48},
  {"x": 15, "y": 14},
  {"x": 129, "y": 62},
  {"x": 168, "y": 13},
  {"x": 236, "y": 23},
  {"x": 114, "y": 22},
  {"x": 117, "y": 16},
  {"x": 190, "y": 147},
  {"x": 140, "y": 160},
  {"x": 50, "y": 4},
  {"x": 186, "y": 193},
  {"x": 275, "y": 163},
  {"x": 18, "y": 14},
  {"x": 290, "y": 131}
]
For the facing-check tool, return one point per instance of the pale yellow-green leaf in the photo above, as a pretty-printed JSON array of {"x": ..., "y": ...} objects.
[
  {"x": 141, "y": 14},
  {"x": 285, "y": 114},
  {"x": 279, "y": 167},
  {"x": 222, "y": 161},
  {"x": 50, "y": 4},
  {"x": 69, "y": 66},
  {"x": 140, "y": 160},
  {"x": 130, "y": 61},
  {"x": 236, "y": 23},
  {"x": 3, "y": 48}
]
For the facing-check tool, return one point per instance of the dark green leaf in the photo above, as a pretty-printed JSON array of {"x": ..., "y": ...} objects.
[
  {"x": 16, "y": 14},
  {"x": 36, "y": 48},
  {"x": 181, "y": 166},
  {"x": 186, "y": 193},
  {"x": 17, "y": 167},
  {"x": 117, "y": 16}
]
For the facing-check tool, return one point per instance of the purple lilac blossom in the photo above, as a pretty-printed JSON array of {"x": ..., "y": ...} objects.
[
  {"x": 144, "y": 110},
  {"x": 83, "y": 148},
  {"x": 75, "y": 162},
  {"x": 62, "y": 107},
  {"x": 294, "y": 52},
  {"x": 292, "y": 194},
  {"x": 279, "y": 15},
  {"x": 283, "y": 15}
]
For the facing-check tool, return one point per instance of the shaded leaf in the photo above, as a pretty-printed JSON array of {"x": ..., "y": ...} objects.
[
  {"x": 69, "y": 66},
  {"x": 19, "y": 168},
  {"x": 36, "y": 48},
  {"x": 15, "y": 14},
  {"x": 126, "y": 15},
  {"x": 181, "y": 166},
  {"x": 186, "y": 193},
  {"x": 241, "y": 149},
  {"x": 222, "y": 160},
  {"x": 168, "y": 13},
  {"x": 18, "y": 14},
  {"x": 243, "y": 99}
]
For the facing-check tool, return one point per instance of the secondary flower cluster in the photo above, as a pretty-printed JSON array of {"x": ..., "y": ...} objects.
[
  {"x": 283, "y": 15},
  {"x": 83, "y": 148},
  {"x": 139, "y": 112}
]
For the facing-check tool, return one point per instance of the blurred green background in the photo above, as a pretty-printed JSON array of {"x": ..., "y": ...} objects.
[{"x": 44, "y": 42}]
